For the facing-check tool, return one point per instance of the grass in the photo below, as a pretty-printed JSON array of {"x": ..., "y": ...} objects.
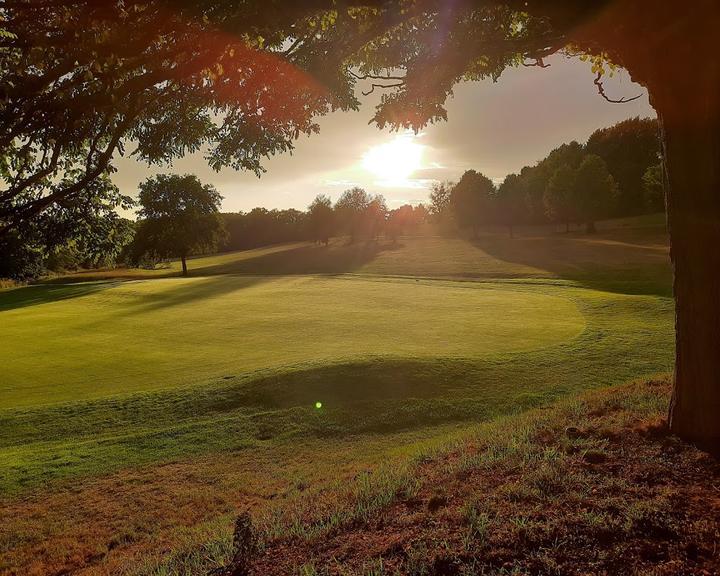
[
  {"x": 139, "y": 336},
  {"x": 593, "y": 485},
  {"x": 150, "y": 411}
]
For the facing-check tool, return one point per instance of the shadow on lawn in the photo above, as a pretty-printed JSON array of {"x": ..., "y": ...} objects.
[
  {"x": 45, "y": 293},
  {"x": 617, "y": 261},
  {"x": 336, "y": 258},
  {"x": 223, "y": 279}
]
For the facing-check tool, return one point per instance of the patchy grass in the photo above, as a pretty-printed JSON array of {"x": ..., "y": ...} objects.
[{"x": 594, "y": 485}]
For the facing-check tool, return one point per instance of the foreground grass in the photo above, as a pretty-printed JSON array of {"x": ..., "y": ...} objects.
[{"x": 593, "y": 485}]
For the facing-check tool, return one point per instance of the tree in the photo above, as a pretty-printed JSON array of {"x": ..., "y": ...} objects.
[
  {"x": 350, "y": 210},
  {"x": 179, "y": 217},
  {"x": 560, "y": 198},
  {"x": 400, "y": 219},
  {"x": 375, "y": 216},
  {"x": 628, "y": 148},
  {"x": 80, "y": 78},
  {"x": 260, "y": 227},
  {"x": 83, "y": 231},
  {"x": 511, "y": 201},
  {"x": 321, "y": 219},
  {"x": 472, "y": 199},
  {"x": 595, "y": 191},
  {"x": 654, "y": 189},
  {"x": 441, "y": 212}
]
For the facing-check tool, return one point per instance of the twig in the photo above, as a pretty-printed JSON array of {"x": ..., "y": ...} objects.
[{"x": 601, "y": 91}]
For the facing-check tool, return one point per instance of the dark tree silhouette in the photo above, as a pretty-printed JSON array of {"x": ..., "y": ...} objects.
[
  {"x": 179, "y": 217},
  {"x": 628, "y": 148},
  {"x": 321, "y": 219},
  {"x": 260, "y": 227},
  {"x": 511, "y": 202},
  {"x": 472, "y": 200},
  {"x": 351, "y": 208},
  {"x": 595, "y": 191},
  {"x": 560, "y": 198}
]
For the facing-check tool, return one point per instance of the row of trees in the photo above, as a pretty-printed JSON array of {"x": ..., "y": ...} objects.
[
  {"x": 616, "y": 173},
  {"x": 358, "y": 214}
]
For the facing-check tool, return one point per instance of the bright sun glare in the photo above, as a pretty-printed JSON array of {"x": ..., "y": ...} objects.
[{"x": 394, "y": 161}]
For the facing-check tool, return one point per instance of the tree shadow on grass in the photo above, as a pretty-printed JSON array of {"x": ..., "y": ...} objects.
[
  {"x": 45, "y": 293},
  {"x": 337, "y": 258},
  {"x": 620, "y": 261},
  {"x": 215, "y": 281}
]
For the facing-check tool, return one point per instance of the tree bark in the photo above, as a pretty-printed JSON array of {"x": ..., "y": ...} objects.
[
  {"x": 690, "y": 120},
  {"x": 184, "y": 266},
  {"x": 684, "y": 89}
]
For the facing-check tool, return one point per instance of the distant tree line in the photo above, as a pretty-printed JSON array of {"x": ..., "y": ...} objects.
[{"x": 616, "y": 173}]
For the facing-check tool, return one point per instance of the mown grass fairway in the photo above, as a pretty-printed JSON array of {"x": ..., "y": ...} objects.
[
  {"x": 148, "y": 335},
  {"x": 138, "y": 416}
]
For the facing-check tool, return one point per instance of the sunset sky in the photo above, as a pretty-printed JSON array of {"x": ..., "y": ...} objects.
[{"x": 495, "y": 128}]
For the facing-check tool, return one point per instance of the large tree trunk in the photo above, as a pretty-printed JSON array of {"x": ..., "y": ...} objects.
[
  {"x": 671, "y": 49},
  {"x": 690, "y": 120}
]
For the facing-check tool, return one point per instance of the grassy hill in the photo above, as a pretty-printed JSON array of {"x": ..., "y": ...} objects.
[{"x": 149, "y": 408}]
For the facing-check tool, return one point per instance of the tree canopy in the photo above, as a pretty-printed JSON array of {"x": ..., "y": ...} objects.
[
  {"x": 472, "y": 200},
  {"x": 179, "y": 217}
]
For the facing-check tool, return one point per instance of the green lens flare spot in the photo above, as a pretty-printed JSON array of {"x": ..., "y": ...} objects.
[{"x": 318, "y": 405}]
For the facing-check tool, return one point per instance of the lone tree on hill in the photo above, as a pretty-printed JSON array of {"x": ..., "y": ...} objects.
[
  {"x": 595, "y": 192},
  {"x": 472, "y": 200},
  {"x": 80, "y": 80},
  {"x": 321, "y": 219},
  {"x": 179, "y": 217},
  {"x": 560, "y": 197}
]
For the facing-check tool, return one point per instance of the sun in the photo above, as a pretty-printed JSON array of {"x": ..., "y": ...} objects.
[{"x": 394, "y": 161}]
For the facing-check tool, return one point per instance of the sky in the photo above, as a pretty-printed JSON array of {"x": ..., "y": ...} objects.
[{"x": 494, "y": 128}]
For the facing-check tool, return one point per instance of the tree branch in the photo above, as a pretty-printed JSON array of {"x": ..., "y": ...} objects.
[
  {"x": 381, "y": 86},
  {"x": 601, "y": 91}
]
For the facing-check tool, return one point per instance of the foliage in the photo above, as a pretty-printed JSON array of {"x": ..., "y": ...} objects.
[
  {"x": 400, "y": 220},
  {"x": 261, "y": 227},
  {"x": 20, "y": 259},
  {"x": 84, "y": 231},
  {"x": 560, "y": 197},
  {"x": 165, "y": 79},
  {"x": 654, "y": 188},
  {"x": 321, "y": 219},
  {"x": 595, "y": 191},
  {"x": 351, "y": 209},
  {"x": 472, "y": 200},
  {"x": 628, "y": 148},
  {"x": 241, "y": 82},
  {"x": 179, "y": 217},
  {"x": 510, "y": 199}
]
